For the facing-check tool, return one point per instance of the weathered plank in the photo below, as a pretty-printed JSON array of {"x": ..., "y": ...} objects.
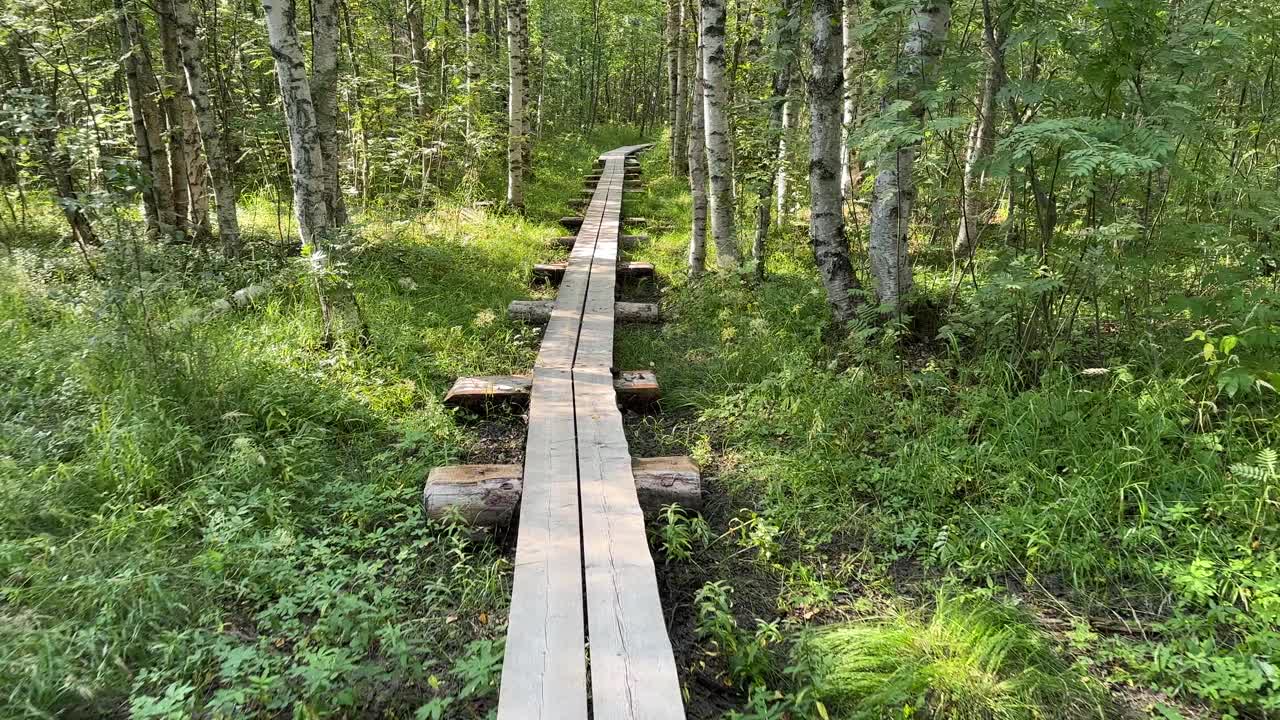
[
  {"x": 544, "y": 667},
  {"x": 633, "y": 671},
  {"x": 489, "y": 495},
  {"x": 634, "y": 387}
]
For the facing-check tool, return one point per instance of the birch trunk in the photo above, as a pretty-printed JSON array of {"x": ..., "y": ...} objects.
[
  {"x": 515, "y": 104},
  {"x": 324, "y": 89},
  {"x": 526, "y": 147},
  {"x": 697, "y": 159},
  {"x": 894, "y": 190},
  {"x": 781, "y": 86},
  {"x": 148, "y": 125},
  {"x": 340, "y": 312},
  {"x": 172, "y": 101},
  {"x": 849, "y": 172},
  {"x": 982, "y": 134},
  {"x": 826, "y": 222},
  {"x": 782, "y": 206},
  {"x": 716, "y": 117},
  {"x": 224, "y": 188},
  {"x": 675, "y": 41}
]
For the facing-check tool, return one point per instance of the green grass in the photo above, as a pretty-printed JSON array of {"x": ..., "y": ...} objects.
[
  {"x": 225, "y": 520},
  {"x": 968, "y": 659}
]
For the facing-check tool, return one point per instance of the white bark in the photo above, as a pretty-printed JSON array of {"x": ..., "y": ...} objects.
[
  {"x": 852, "y": 61},
  {"x": 826, "y": 221},
  {"x": 894, "y": 190},
  {"x": 341, "y": 314},
  {"x": 675, "y": 37},
  {"x": 224, "y": 188},
  {"x": 148, "y": 124},
  {"x": 324, "y": 89},
  {"x": 782, "y": 207},
  {"x": 697, "y": 161},
  {"x": 175, "y": 109},
  {"x": 716, "y": 118},
  {"x": 515, "y": 104}
]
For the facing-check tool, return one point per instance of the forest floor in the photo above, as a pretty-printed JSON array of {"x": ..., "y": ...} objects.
[{"x": 225, "y": 519}]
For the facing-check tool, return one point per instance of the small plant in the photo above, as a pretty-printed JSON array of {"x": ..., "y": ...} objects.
[
  {"x": 677, "y": 533},
  {"x": 748, "y": 656}
]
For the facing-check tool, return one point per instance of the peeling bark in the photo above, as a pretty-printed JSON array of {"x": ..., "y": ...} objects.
[
  {"x": 826, "y": 221},
  {"x": 716, "y": 118},
  {"x": 224, "y": 188},
  {"x": 340, "y": 312}
]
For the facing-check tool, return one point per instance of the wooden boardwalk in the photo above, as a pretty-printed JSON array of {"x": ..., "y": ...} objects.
[{"x": 584, "y": 578}]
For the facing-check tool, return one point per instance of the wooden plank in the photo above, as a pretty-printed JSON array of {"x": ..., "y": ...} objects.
[
  {"x": 544, "y": 667},
  {"x": 634, "y": 387},
  {"x": 539, "y": 312},
  {"x": 625, "y": 241},
  {"x": 633, "y": 670}
]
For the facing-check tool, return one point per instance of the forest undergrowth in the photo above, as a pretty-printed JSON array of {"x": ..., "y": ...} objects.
[{"x": 962, "y": 514}]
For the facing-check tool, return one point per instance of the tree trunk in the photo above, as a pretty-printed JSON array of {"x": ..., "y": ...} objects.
[
  {"x": 224, "y": 187},
  {"x": 324, "y": 89},
  {"x": 849, "y": 172},
  {"x": 339, "y": 310},
  {"x": 982, "y": 134},
  {"x": 697, "y": 158},
  {"x": 148, "y": 125},
  {"x": 894, "y": 190},
  {"x": 826, "y": 223},
  {"x": 716, "y": 117},
  {"x": 781, "y": 200},
  {"x": 515, "y": 104},
  {"x": 781, "y": 85},
  {"x": 57, "y": 161},
  {"x": 675, "y": 55},
  {"x": 173, "y": 102}
]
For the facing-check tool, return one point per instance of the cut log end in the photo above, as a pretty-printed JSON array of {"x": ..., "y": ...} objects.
[{"x": 488, "y": 495}]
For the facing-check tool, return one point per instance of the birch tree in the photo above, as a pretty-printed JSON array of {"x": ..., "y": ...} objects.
[
  {"x": 224, "y": 187},
  {"x": 675, "y": 85},
  {"x": 894, "y": 190},
  {"x": 697, "y": 157},
  {"x": 715, "y": 90},
  {"x": 852, "y": 96},
  {"x": 982, "y": 133},
  {"x": 324, "y": 88},
  {"x": 517, "y": 126},
  {"x": 148, "y": 125},
  {"x": 340, "y": 313},
  {"x": 826, "y": 221}
]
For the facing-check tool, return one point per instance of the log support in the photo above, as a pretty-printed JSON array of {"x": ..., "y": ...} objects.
[
  {"x": 488, "y": 495},
  {"x": 635, "y": 388},
  {"x": 553, "y": 273},
  {"x": 538, "y": 312}
]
